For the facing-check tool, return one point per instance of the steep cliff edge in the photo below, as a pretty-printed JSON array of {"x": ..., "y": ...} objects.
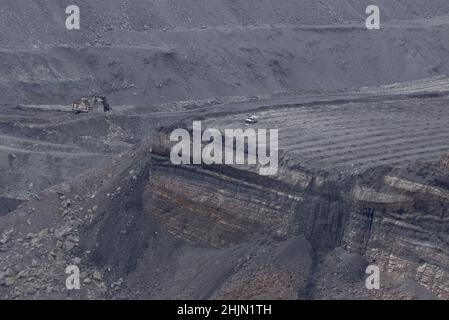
[
  {"x": 393, "y": 218},
  {"x": 404, "y": 227},
  {"x": 148, "y": 229}
]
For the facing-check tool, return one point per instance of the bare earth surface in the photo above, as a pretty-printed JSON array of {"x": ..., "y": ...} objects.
[{"x": 363, "y": 124}]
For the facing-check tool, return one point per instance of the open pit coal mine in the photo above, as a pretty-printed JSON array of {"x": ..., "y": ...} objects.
[{"x": 362, "y": 179}]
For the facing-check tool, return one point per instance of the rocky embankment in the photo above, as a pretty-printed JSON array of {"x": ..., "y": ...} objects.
[
  {"x": 403, "y": 226},
  {"x": 145, "y": 228},
  {"x": 394, "y": 218}
]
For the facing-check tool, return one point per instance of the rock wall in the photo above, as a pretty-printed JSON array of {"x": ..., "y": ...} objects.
[
  {"x": 159, "y": 216},
  {"x": 403, "y": 229},
  {"x": 397, "y": 223}
]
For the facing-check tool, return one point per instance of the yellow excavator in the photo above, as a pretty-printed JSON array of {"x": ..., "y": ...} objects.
[{"x": 85, "y": 105}]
